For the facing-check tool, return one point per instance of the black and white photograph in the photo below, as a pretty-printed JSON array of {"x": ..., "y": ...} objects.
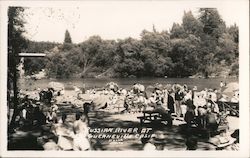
[{"x": 153, "y": 77}]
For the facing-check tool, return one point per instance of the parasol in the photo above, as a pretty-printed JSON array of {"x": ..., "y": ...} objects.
[
  {"x": 168, "y": 87},
  {"x": 231, "y": 88},
  {"x": 159, "y": 86}
]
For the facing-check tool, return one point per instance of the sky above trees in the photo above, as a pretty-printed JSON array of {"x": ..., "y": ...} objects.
[{"x": 114, "y": 20}]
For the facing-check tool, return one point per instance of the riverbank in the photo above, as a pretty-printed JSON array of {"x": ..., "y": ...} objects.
[{"x": 124, "y": 82}]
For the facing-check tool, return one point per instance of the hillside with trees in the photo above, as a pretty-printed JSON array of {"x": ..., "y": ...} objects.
[
  {"x": 34, "y": 65},
  {"x": 199, "y": 46}
]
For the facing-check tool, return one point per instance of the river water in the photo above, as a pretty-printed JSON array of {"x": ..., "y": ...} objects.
[{"x": 125, "y": 82}]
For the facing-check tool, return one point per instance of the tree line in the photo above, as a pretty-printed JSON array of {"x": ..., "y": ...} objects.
[{"x": 199, "y": 46}]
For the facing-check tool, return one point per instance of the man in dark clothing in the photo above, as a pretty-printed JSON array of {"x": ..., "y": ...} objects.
[
  {"x": 190, "y": 114},
  {"x": 191, "y": 143},
  {"x": 49, "y": 95},
  {"x": 86, "y": 109},
  {"x": 42, "y": 96},
  {"x": 211, "y": 120},
  {"x": 39, "y": 116},
  {"x": 170, "y": 104},
  {"x": 164, "y": 113}
]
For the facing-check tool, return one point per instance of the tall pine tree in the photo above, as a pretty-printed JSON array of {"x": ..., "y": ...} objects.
[
  {"x": 67, "y": 37},
  {"x": 16, "y": 43}
]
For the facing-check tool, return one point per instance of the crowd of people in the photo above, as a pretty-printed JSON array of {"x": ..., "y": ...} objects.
[
  {"x": 196, "y": 108},
  {"x": 225, "y": 141},
  {"x": 66, "y": 135},
  {"x": 44, "y": 111},
  {"x": 70, "y": 136},
  {"x": 29, "y": 114}
]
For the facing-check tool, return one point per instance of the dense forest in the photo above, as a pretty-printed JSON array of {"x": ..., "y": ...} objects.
[{"x": 199, "y": 46}]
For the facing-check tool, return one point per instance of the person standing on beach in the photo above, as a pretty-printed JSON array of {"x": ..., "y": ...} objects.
[
  {"x": 83, "y": 89},
  {"x": 49, "y": 95},
  {"x": 77, "y": 91},
  {"x": 221, "y": 84},
  {"x": 86, "y": 109},
  {"x": 178, "y": 99},
  {"x": 212, "y": 121},
  {"x": 170, "y": 101},
  {"x": 51, "y": 115}
]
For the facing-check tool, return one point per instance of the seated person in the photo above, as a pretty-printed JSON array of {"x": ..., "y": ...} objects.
[
  {"x": 164, "y": 113},
  {"x": 202, "y": 117},
  {"x": 64, "y": 133},
  {"x": 39, "y": 116},
  {"x": 139, "y": 102},
  {"x": 226, "y": 141},
  {"x": 213, "y": 105},
  {"x": 156, "y": 142},
  {"x": 211, "y": 120},
  {"x": 51, "y": 116},
  {"x": 48, "y": 142},
  {"x": 189, "y": 117},
  {"x": 191, "y": 143},
  {"x": 152, "y": 100},
  {"x": 148, "y": 144},
  {"x": 235, "y": 139},
  {"x": 80, "y": 128}
]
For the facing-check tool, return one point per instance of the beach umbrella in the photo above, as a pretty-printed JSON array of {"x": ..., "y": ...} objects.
[
  {"x": 150, "y": 88},
  {"x": 109, "y": 83},
  {"x": 138, "y": 88},
  {"x": 56, "y": 85},
  {"x": 135, "y": 86},
  {"x": 176, "y": 87},
  {"x": 231, "y": 88},
  {"x": 159, "y": 86},
  {"x": 141, "y": 87},
  {"x": 168, "y": 87}
]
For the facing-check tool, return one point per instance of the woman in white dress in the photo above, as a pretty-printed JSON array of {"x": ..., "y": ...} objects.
[
  {"x": 80, "y": 128},
  {"x": 63, "y": 131}
]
